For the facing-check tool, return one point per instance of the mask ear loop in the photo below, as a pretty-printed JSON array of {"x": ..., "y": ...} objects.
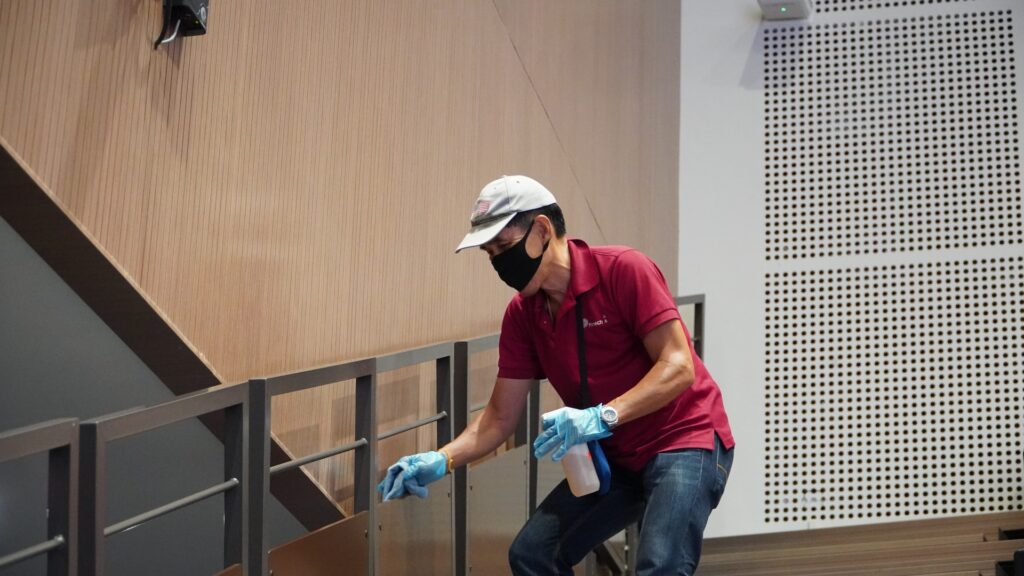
[
  {"x": 546, "y": 242},
  {"x": 529, "y": 229},
  {"x": 526, "y": 238}
]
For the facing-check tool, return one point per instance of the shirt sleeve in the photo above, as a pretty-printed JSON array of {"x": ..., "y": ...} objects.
[
  {"x": 641, "y": 293},
  {"x": 517, "y": 356}
]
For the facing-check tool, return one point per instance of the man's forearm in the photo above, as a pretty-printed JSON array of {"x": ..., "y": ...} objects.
[
  {"x": 481, "y": 437},
  {"x": 662, "y": 384}
]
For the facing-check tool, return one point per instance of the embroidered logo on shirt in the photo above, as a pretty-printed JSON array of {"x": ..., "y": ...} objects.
[{"x": 596, "y": 323}]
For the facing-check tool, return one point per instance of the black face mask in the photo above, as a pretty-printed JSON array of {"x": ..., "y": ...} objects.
[{"x": 514, "y": 266}]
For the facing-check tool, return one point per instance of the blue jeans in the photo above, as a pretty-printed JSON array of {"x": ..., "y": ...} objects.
[{"x": 671, "y": 499}]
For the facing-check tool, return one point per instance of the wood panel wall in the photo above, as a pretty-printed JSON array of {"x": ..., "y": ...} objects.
[{"x": 287, "y": 190}]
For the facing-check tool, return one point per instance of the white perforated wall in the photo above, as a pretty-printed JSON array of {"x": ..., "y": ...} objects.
[
  {"x": 826, "y": 6},
  {"x": 894, "y": 285},
  {"x": 892, "y": 136},
  {"x": 895, "y": 391}
]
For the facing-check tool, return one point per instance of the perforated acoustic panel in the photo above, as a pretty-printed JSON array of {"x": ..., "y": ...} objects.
[
  {"x": 826, "y": 6},
  {"x": 894, "y": 297},
  {"x": 895, "y": 391},
  {"x": 892, "y": 136}
]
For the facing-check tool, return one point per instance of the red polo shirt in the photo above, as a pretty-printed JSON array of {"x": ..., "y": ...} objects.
[{"x": 624, "y": 297}]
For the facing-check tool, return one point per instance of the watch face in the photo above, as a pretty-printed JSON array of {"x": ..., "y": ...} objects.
[{"x": 609, "y": 415}]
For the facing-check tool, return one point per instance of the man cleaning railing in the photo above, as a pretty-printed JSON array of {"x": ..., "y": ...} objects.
[{"x": 601, "y": 325}]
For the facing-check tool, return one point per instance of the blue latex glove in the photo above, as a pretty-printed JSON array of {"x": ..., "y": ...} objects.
[
  {"x": 411, "y": 473},
  {"x": 566, "y": 427}
]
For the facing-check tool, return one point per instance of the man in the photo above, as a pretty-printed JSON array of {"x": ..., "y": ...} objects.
[{"x": 655, "y": 408}]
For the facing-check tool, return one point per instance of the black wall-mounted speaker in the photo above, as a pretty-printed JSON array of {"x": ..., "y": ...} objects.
[
  {"x": 183, "y": 18},
  {"x": 191, "y": 14}
]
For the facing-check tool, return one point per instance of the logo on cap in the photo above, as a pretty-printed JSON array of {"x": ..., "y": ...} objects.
[{"x": 480, "y": 209}]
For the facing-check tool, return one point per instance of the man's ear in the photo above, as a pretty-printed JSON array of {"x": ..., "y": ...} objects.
[{"x": 547, "y": 226}]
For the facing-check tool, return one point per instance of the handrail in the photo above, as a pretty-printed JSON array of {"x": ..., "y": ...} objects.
[
  {"x": 138, "y": 420},
  {"x": 411, "y": 357},
  {"x": 483, "y": 343},
  {"x": 314, "y": 377},
  {"x": 689, "y": 299},
  {"x": 331, "y": 373},
  {"x": 36, "y": 438}
]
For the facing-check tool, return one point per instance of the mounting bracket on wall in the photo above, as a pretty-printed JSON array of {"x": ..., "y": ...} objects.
[
  {"x": 785, "y": 9},
  {"x": 182, "y": 18}
]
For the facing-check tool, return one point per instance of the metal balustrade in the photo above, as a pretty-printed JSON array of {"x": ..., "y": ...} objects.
[
  {"x": 238, "y": 485},
  {"x": 77, "y": 491},
  {"x": 59, "y": 438}
]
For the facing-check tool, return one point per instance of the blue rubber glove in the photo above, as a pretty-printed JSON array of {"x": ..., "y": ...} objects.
[
  {"x": 411, "y": 473},
  {"x": 566, "y": 427}
]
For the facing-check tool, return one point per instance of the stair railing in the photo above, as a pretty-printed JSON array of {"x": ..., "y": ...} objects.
[
  {"x": 77, "y": 525},
  {"x": 59, "y": 438}
]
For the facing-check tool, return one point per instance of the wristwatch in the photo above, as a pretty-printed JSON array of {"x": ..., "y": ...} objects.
[{"x": 610, "y": 416}]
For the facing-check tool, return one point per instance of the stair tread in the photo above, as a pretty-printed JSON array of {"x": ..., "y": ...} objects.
[
  {"x": 846, "y": 548},
  {"x": 871, "y": 532},
  {"x": 907, "y": 560}
]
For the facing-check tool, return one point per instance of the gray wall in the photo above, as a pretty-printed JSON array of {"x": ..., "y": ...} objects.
[{"x": 58, "y": 359}]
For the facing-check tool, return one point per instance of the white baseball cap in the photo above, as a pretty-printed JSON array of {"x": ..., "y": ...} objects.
[{"x": 499, "y": 202}]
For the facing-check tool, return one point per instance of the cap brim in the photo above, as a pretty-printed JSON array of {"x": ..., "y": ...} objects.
[{"x": 484, "y": 233}]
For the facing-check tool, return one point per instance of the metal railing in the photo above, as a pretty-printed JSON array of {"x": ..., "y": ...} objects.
[
  {"x": 238, "y": 486},
  {"x": 697, "y": 330},
  {"x": 447, "y": 399},
  {"x": 60, "y": 439},
  {"x": 77, "y": 524}
]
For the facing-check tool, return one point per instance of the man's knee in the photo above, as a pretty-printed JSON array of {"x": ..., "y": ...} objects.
[
  {"x": 530, "y": 552},
  {"x": 522, "y": 550},
  {"x": 515, "y": 553}
]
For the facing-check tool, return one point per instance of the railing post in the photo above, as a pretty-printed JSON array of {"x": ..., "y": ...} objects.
[
  {"x": 520, "y": 437},
  {"x": 444, "y": 428},
  {"x": 532, "y": 430},
  {"x": 258, "y": 481},
  {"x": 698, "y": 327},
  {"x": 632, "y": 545},
  {"x": 62, "y": 508},
  {"x": 366, "y": 462},
  {"x": 257, "y": 474},
  {"x": 460, "y": 477},
  {"x": 443, "y": 399},
  {"x": 234, "y": 499},
  {"x": 92, "y": 503}
]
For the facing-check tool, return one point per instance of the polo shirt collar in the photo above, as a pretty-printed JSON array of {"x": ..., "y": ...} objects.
[{"x": 584, "y": 274}]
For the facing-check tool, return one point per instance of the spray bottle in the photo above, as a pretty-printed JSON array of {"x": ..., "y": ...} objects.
[{"x": 579, "y": 469}]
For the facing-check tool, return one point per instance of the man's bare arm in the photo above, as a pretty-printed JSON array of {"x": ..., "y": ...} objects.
[{"x": 494, "y": 425}]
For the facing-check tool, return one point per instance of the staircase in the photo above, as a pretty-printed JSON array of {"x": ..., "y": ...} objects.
[{"x": 961, "y": 546}]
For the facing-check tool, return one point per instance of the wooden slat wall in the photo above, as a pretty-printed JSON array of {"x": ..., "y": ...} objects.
[
  {"x": 606, "y": 72},
  {"x": 287, "y": 191}
]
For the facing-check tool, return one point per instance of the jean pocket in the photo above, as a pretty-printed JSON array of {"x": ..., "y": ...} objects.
[
  {"x": 723, "y": 467},
  {"x": 723, "y": 474}
]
